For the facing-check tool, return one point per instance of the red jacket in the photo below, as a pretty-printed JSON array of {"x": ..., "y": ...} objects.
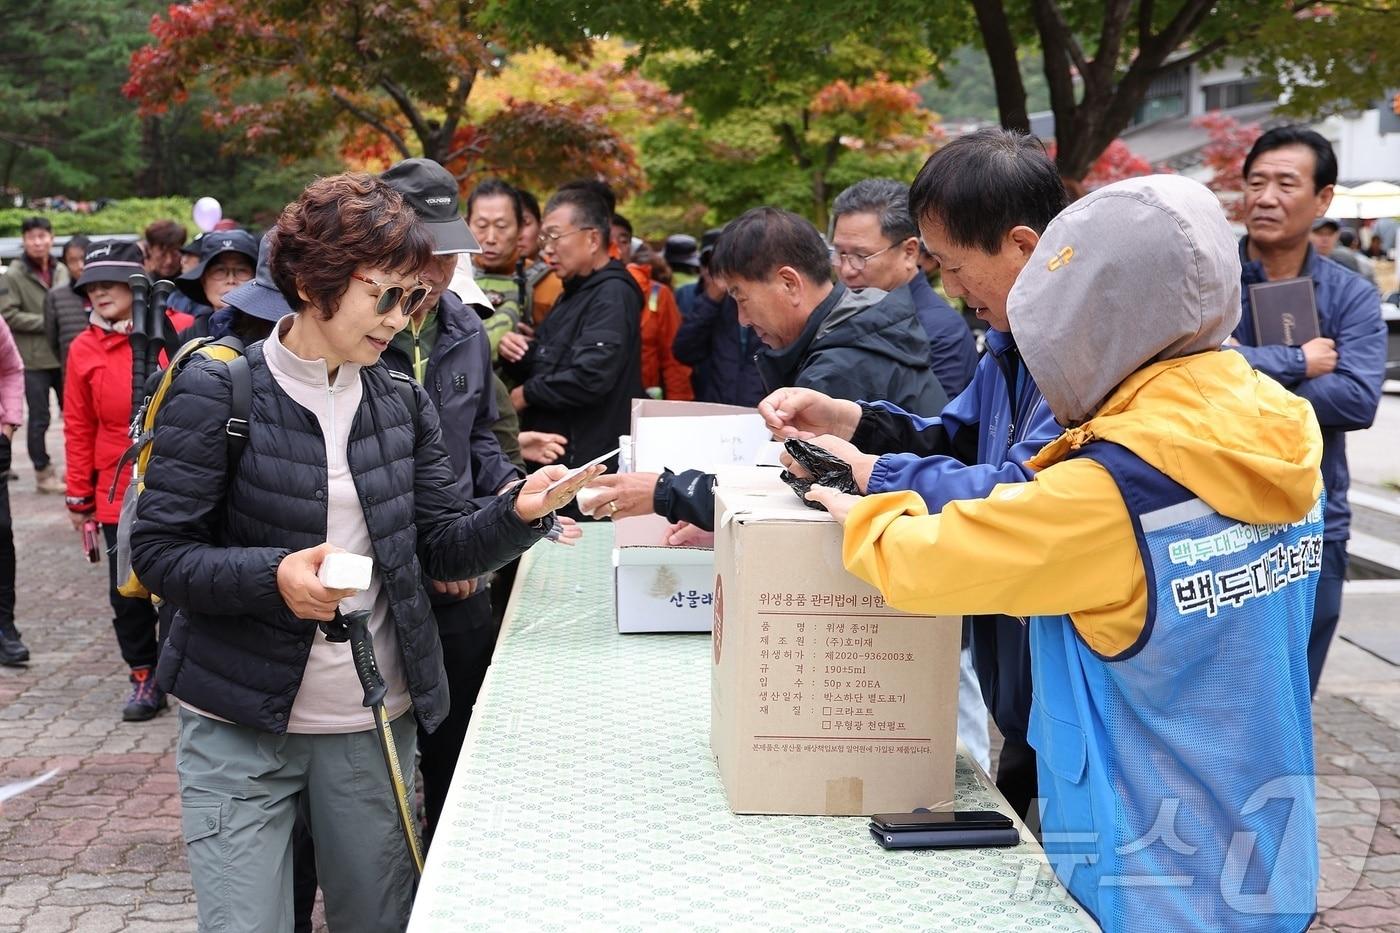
[
  {"x": 97, "y": 418},
  {"x": 661, "y": 318}
]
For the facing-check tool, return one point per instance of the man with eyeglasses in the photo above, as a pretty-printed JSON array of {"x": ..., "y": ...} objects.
[
  {"x": 581, "y": 370},
  {"x": 876, "y": 245}
]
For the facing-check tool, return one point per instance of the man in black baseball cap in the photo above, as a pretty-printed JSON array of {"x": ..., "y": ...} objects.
[
  {"x": 444, "y": 347},
  {"x": 432, "y": 192},
  {"x": 252, "y": 309}
]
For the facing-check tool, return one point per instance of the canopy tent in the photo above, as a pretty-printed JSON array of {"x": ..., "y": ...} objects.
[{"x": 1372, "y": 200}]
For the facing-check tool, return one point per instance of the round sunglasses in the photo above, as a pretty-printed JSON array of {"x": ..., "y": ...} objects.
[{"x": 390, "y": 295}]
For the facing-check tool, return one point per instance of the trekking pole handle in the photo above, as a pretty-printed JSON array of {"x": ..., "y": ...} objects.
[
  {"x": 336, "y": 630},
  {"x": 362, "y": 652}
]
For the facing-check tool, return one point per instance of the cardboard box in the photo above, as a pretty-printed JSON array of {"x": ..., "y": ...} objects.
[
  {"x": 824, "y": 700},
  {"x": 661, "y": 588}
]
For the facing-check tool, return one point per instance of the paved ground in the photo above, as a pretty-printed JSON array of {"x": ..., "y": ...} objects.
[{"x": 98, "y": 848}]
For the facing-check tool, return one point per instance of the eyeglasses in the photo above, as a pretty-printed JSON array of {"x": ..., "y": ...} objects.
[
  {"x": 857, "y": 262},
  {"x": 390, "y": 295},
  {"x": 551, "y": 240},
  {"x": 236, "y": 273}
]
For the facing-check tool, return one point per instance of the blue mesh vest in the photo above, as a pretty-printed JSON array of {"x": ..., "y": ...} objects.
[{"x": 1177, "y": 778}]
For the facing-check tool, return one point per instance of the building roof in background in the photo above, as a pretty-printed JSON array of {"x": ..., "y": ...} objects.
[{"x": 1177, "y": 142}]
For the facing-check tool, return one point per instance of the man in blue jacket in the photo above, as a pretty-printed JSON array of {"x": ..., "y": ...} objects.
[
  {"x": 983, "y": 437},
  {"x": 877, "y": 246},
  {"x": 1289, "y": 175}
]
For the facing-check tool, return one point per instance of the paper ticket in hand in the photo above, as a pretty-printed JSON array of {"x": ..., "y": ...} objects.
[
  {"x": 572, "y": 474},
  {"x": 588, "y": 500},
  {"x": 345, "y": 571}
]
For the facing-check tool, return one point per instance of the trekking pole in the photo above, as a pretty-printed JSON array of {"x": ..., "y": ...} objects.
[
  {"x": 140, "y": 343},
  {"x": 161, "y": 327},
  {"x": 161, "y": 330},
  {"x": 354, "y": 628}
]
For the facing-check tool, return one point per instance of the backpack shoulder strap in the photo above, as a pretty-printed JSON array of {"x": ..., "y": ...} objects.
[
  {"x": 240, "y": 408},
  {"x": 230, "y": 351}
]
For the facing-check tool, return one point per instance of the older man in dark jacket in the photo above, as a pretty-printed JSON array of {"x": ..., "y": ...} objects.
[
  {"x": 23, "y": 288},
  {"x": 579, "y": 374},
  {"x": 849, "y": 344}
]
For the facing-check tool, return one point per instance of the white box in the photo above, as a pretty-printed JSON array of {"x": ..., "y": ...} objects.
[
  {"x": 662, "y": 588},
  {"x": 343, "y": 570}
]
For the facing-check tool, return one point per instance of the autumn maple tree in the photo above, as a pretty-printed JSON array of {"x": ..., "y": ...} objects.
[
  {"x": 393, "y": 78},
  {"x": 875, "y": 114},
  {"x": 1116, "y": 163},
  {"x": 1230, "y": 141},
  {"x": 542, "y": 116}
]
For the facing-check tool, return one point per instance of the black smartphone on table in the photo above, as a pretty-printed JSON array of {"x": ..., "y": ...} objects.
[{"x": 925, "y": 829}]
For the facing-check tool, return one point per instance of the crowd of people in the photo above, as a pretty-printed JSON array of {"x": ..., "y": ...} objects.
[{"x": 421, "y": 370}]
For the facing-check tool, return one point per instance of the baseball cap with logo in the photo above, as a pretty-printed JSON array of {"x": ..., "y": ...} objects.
[
  {"x": 431, "y": 191},
  {"x": 211, "y": 246},
  {"x": 109, "y": 261}
]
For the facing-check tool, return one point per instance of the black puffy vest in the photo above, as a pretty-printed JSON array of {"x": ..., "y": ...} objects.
[{"x": 235, "y": 649}]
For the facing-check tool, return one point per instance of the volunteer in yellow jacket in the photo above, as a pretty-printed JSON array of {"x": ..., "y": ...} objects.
[{"x": 1165, "y": 555}]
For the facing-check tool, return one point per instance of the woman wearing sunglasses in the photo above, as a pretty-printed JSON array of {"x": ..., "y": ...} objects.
[{"x": 336, "y": 458}]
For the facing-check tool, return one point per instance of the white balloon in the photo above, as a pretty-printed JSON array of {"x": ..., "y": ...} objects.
[{"x": 207, "y": 213}]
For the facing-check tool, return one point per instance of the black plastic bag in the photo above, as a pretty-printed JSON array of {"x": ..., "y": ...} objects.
[{"x": 825, "y": 469}]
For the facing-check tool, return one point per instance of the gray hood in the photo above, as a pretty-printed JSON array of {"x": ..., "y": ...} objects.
[{"x": 1137, "y": 272}]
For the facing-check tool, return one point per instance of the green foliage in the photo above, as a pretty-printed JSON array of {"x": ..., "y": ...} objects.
[
  {"x": 1347, "y": 59},
  {"x": 64, "y": 126},
  {"x": 128, "y": 216},
  {"x": 788, "y": 97},
  {"x": 963, "y": 91},
  {"x": 704, "y": 176},
  {"x": 1102, "y": 57},
  {"x": 195, "y": 160}
]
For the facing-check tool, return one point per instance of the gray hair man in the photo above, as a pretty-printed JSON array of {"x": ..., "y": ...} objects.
[{"x": 877, "y": 246}]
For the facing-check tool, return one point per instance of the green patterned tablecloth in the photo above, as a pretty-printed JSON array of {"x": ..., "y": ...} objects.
[{"x": 586, "y": 798}]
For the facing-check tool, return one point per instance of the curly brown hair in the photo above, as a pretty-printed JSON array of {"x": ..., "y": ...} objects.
[{"x": 339, "y": 224}]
